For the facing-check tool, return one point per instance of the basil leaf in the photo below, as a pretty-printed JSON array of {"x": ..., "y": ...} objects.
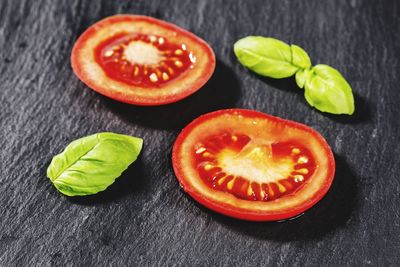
[
  {"x": 270, "y": 57},
  {"x": 326, "y": 89},
  {"x": 299, "y": 57},
  {"x": 90, "y": 164}
]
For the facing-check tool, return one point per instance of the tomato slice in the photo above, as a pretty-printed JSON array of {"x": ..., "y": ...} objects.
[
  {"x": 253, "y": 166},
  {"x": 142, "y": 60}
]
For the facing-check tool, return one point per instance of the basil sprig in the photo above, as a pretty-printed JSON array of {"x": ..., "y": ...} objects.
[
  {"x": 90, "y": 164},
  {"x": 325, "y": 88}
]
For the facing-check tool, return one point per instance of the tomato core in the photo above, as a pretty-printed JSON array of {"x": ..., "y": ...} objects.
[
  {"x": 142, "y": 59},
  {"x": 252, "y": 169}
]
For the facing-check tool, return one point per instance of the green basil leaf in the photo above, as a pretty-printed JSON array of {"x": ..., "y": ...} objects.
[
  {"x": 326, "y": 89},
  {"x": 270, "y": 57},
  {"x": 299, "y": 57},
  {"x": 90, "y": 164}
]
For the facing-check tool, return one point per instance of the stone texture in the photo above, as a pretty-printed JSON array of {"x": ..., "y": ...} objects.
[{"x": 145, "y": 219}]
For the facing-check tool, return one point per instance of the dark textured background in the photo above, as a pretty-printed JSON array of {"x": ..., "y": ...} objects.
[{"x": 145, "y": 218}]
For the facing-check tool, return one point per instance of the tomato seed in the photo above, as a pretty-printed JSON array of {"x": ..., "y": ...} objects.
[
  {"x": 302, "y": 160},
  {"x": 165, "y": 76},
  {"x": 200, "y": 150},
  {"x": 302, "y": 171},
  {"x": 109, "y": 53},
  {"x": 153, "y": 77},
  {"x": 178, "y": 63},
  {"x": 230, "y": 184},
  {"x": 295, "y": 151}
]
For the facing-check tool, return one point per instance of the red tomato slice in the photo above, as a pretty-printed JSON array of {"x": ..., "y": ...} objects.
[
  {"x": 142, "y": 60},
  {"x": 253, "y": 166}
]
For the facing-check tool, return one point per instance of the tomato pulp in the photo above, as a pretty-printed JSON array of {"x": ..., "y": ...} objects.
[
  {"x": 142, "y": 60},
  {"x": 253, "y": 166}
]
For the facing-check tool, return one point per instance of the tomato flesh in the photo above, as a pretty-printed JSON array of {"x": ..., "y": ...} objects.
[
  {"x": 253, "y": 166},
  {"x": 143, "y": 59},
  {"x": 288, "y": 164}
]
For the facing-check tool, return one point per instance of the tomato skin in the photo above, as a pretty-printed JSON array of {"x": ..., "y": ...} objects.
[
  {"x": 180, "y": 88},
  {"x": 242, "y": 213}
]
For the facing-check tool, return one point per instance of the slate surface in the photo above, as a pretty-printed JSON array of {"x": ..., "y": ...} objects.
[{"x": 145, "y": 219}]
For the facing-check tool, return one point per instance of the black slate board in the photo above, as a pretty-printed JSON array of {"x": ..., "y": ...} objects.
[{"x": 145, "y": 218}]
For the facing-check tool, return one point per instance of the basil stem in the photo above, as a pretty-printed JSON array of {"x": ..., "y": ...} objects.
[
  {"x": 325, "y": 88},
  {"x": 90, "y": 164}
]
